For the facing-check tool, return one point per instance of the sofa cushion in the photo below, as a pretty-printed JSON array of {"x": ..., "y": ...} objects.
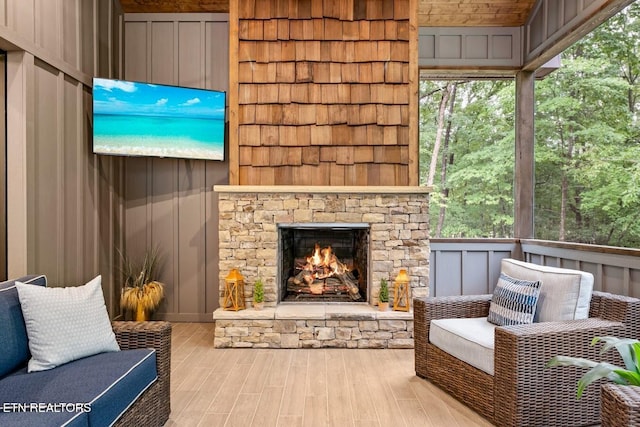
[
  {"x": 13, "y": 334},
  {"x": 468, "y": 339},
  {"x": 41, "y": 417},
  {"x": 65, "y": 324},
  {"x": 108, "y": 382},
  {"x": 564, "y": 295},
  {"x": 514, "y": 301}
]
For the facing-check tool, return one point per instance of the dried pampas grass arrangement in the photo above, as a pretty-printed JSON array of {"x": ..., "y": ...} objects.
[{"x": 141, "y": 292}]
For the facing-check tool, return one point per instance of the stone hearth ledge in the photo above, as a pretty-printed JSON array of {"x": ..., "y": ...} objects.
[
  {"x": 313, "y": 311},
  {"x": 313, "y": 326},
  {"x": 318, "y": 189}
]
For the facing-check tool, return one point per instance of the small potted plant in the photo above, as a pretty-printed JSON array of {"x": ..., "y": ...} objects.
[
  {"x": 258, "y": 295},
  {"x": 383, "y": 296},
  {"x": 629, "y": 350},
  {"x": 141, "y": 292}
]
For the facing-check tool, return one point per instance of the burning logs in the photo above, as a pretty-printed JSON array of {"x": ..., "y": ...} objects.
[
  {"x": 341, "y": 283},
  {"x": 322, "y": 273}
]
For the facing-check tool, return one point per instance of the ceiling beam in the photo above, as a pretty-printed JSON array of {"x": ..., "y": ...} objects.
[
  {"x": 561, "y": 40},
  {"x": 174, "y": 6}
]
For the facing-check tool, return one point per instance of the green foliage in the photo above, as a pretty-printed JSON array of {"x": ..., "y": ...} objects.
[
  {"x": 383, "y": 295},
  {"x": 629, "y": 350},
  {"x": 587, "y": 146},
  {"x": 138, "y": 274},
  {"x": 258, "y": 291},
  {"x": 479, "y": 179}
]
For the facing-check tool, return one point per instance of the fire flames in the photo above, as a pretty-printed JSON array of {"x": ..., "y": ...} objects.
[
  {"x": 324, "y": 263},
  {"x": 323, "y": 273}
]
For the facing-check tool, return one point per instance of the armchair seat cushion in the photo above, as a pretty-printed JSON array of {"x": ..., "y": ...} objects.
[{"x": 468, "y": 339}]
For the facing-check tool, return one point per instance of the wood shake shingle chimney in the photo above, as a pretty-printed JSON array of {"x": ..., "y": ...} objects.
[{"x": 323, "y": 92}]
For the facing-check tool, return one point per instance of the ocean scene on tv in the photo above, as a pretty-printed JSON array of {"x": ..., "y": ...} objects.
[{"x": 143, "y": 119}]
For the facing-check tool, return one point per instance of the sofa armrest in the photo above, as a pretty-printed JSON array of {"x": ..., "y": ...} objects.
[
  {"x": 132, "y": 335},
  {"x": 154, "y": 406},
  {"x": 528, "y": 391},
  {"x": 156, "y": 335},
  {"x": 427, "y": 309}
]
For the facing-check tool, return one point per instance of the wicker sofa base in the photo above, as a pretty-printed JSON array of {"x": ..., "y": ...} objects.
[
  {"x": 620, "y": 406},
  {"x": 152, "y": 408},
  {"x": 149, "y": 410}
]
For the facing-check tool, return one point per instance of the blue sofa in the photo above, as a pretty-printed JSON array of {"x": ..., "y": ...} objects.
[{"x": 124, "y": 388}]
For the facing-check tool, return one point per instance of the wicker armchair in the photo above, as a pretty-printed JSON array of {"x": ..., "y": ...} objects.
[
  {"x": 522, "y": 392},
  {"x": 153, "y": 407}
]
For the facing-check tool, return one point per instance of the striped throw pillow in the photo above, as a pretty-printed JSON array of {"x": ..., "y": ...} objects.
[{"x": 514, "y": 301}]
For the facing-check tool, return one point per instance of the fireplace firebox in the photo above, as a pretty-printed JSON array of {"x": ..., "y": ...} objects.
[{"x": 323, "y": 262}]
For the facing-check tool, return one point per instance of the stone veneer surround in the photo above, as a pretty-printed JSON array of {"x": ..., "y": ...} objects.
[
  {"x": 249, "y": 216},
  {"x": 248, "y": 241}
]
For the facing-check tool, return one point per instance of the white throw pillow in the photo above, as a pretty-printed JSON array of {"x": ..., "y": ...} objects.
[
  {"x": 565, "y": 294},
  {"x": 65, "y": 324}
]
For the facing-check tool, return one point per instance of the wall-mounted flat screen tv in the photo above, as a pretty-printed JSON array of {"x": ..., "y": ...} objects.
[{"x": 144, "y": 119}]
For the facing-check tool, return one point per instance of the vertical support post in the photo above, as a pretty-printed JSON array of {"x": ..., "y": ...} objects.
[
  {"x": 20, "y": 77},
  {"x": 414, "y": 85},
  {"x": 233, "y": 98},
  {"x": 524, "y": 181},
  {"x": 3, "y": 171}
]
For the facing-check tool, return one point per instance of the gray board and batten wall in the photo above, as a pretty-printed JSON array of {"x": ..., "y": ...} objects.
[
  {"x": 170, "y": 203},
  {"x": 72, "y": 211},
  {"x": 61, "y": 210}
]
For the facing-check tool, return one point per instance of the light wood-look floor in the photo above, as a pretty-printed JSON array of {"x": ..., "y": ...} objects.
[{"x": 307, "y": 387}]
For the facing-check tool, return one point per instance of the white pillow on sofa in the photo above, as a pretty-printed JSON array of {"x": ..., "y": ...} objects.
[{"x": 65, "y": 324}]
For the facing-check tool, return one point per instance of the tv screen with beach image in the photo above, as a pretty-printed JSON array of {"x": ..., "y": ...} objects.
[{"x": 144, "y": 119}]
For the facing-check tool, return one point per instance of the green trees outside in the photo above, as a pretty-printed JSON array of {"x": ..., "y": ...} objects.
[{"x": 587, "y": 146}]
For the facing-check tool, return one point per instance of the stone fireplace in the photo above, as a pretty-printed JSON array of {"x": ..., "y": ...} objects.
[
  {"x": 323, "y": 130},
  {"x": 267, "y": 232}
]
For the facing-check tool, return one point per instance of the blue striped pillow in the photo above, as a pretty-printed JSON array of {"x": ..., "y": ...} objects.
[{"x": 514, "y": 301}]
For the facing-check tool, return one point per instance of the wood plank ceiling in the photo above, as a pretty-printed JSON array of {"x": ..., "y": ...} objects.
[{"x": 431, "y": 13}]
